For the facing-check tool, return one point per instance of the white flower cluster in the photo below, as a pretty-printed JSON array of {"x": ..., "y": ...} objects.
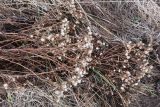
[
  {"x": 82, "y": 46},
  {"x": 135, "y": 53},
  {"x": 69, "y": 36},
  {"x": 64, "y": 27},
  {"x": 80, "y": 68},
  {"x": 72, "y": 6}
]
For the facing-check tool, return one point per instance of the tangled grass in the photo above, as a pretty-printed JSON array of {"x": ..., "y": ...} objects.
[{"x": 69, "y": 53}]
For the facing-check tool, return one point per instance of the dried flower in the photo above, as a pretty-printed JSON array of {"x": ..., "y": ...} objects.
[{"x": 5, "y": 86}]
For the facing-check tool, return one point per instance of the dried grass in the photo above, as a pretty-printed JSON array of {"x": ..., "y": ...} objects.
[{"x": 75, "y": 53}]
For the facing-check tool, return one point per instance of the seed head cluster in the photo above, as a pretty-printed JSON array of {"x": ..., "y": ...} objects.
[
  {"x": 125, "y": 64},
  {"x": 67, "y": 58},
  {"x": 72, "y": 41}
]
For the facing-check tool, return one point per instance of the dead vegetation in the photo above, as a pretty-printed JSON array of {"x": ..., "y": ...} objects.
[{"x": 69, "y": 53}]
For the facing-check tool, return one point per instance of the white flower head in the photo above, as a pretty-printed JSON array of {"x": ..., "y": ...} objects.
[
  {"x": 5, "y": 86},
  {"x": 31, "y": 36},
  {"x": 49, "y": 37},
  {"x": 42, "y": 39}
]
